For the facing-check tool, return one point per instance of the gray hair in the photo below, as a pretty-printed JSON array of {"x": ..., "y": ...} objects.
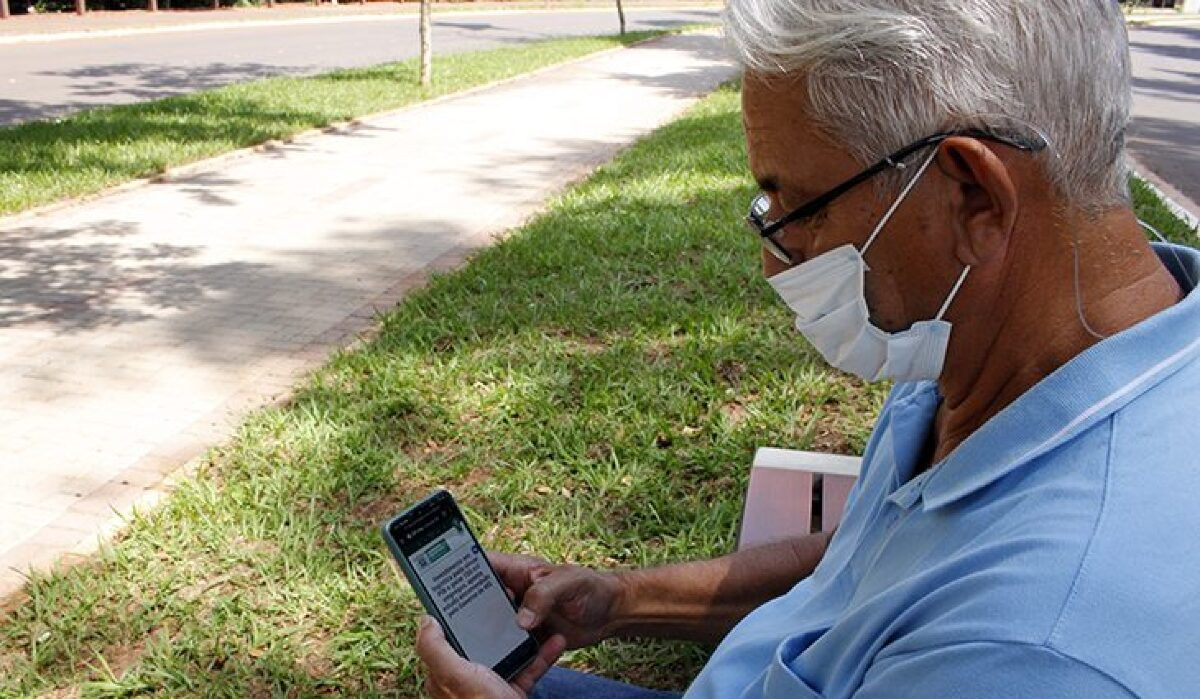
[{"x": 883, "y": 73}]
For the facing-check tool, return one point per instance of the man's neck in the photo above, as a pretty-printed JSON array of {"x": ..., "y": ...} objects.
[{"x": 1005, "y": 344}]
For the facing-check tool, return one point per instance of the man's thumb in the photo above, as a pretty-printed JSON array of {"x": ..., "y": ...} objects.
[
  {"x": 432, "y": 646},
  {"x": 539, "y": 600}
]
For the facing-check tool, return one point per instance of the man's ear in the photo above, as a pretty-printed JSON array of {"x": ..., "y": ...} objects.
[{"x": 982, "y": 201}]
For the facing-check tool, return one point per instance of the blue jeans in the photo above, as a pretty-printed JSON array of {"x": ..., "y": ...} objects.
[{"x": 560, "y": 683}]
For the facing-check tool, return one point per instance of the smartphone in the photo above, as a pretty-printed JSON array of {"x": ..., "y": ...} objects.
[{"x": 452, "y": 577}]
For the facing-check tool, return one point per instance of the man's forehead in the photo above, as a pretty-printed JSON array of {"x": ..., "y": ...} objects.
[
  {"x": 776, "y": 111},
  {"x": 768, "y": 110},
  {"x": 778, "y": 107},
  {"x": 782, "y": 141}
]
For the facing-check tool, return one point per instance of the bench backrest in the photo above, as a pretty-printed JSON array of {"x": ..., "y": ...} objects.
[{"x": 795, "y": 492}]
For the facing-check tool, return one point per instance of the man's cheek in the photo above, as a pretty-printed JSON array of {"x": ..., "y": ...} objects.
[{"x": 771, "y": 264}]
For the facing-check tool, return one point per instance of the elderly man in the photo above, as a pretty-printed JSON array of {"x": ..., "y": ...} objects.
[{"x": 944, "y": 203}]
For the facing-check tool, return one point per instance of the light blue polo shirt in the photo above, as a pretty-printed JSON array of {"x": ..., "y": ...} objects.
[{"x": 1054, "y": 553}]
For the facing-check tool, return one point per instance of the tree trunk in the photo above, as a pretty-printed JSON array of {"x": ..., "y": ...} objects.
[
  {"x": 426, "y": 50},
  {"x": 621, "y": 16},
  {"x": 4, "y": 9},
  {"x": 80, "y": 7}
]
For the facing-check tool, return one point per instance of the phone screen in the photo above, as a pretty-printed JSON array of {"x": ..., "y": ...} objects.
[{"x": 459, "y": 581}]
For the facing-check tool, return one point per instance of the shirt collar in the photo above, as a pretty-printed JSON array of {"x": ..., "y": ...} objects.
[{"x": 1085, "y": 390}]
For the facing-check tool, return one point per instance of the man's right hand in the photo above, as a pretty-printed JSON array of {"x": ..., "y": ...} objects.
[
  {"x": 697, "y": 601},
  {"x": 574, "y": 602}
]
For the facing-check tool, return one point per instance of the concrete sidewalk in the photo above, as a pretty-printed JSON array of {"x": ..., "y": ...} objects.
[{"x": 137, "y": 329}]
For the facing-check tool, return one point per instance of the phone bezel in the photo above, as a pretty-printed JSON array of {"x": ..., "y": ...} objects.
[{"x": 520, "y": 656}]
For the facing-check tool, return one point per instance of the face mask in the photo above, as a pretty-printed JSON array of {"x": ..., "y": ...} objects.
[{"x": 826, "y": 294}]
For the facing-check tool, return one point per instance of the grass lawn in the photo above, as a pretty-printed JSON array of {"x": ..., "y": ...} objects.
[
  {"x": 592, "y": 389},
  {"x": 43, "y": 162}
]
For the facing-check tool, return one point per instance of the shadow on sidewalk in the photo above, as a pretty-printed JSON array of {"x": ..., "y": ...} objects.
[{"x": 78, "y": 279}]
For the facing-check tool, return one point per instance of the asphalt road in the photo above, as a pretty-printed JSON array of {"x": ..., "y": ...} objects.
[
  {"x": 1165, "y": 135},
  {"x": 41, "y": 80}
]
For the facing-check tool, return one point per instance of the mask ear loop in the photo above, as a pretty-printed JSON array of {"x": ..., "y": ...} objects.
[
  {"x": 1079, "y": 311},
  {"x": 896, "y": 204},
  {"x": 953, "y": 292},
  {"x": 1174, "y": 253},
  {"x": 1074, "y": 231},
  {"x": 1078, "y": 294}
]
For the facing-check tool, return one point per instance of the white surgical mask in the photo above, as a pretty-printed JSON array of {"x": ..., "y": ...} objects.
[{"x": 826, "y": 294}]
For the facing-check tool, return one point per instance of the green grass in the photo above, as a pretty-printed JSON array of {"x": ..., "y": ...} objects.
[
  {"x": 1152, "y": 210},
  {"x": 592, "y": 389},
  {"x": 43, "y": 162}
]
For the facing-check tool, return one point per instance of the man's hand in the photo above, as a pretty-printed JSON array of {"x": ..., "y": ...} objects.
[
  {"x": 574, "y": 603},
  {"x": 698, "y": 601},
  {"x": 450, "y": 676}
]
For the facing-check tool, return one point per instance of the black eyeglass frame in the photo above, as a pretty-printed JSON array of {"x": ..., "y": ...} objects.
[{"x": 762, "y": 203}]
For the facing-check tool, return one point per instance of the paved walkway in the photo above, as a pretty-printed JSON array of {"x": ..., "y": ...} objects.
[{"x": 137, "y": 329}]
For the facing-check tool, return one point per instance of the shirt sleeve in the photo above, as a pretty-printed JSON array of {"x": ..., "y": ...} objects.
[{"x": 982, "y": 670}]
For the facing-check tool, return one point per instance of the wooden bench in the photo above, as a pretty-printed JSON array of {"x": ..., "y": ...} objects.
[{"x": 794, "y": 492}]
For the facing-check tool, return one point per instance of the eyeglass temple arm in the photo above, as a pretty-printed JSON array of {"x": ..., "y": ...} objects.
[
  {"x": 891, "y": 161},
  {"x": 895, "y": 160}
]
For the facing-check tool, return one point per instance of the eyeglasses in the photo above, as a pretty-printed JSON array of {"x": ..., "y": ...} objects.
[{"x": 761, "y": 205}]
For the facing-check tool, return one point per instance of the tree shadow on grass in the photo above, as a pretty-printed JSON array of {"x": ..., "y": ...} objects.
[{"x": 116, "y": 144}]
